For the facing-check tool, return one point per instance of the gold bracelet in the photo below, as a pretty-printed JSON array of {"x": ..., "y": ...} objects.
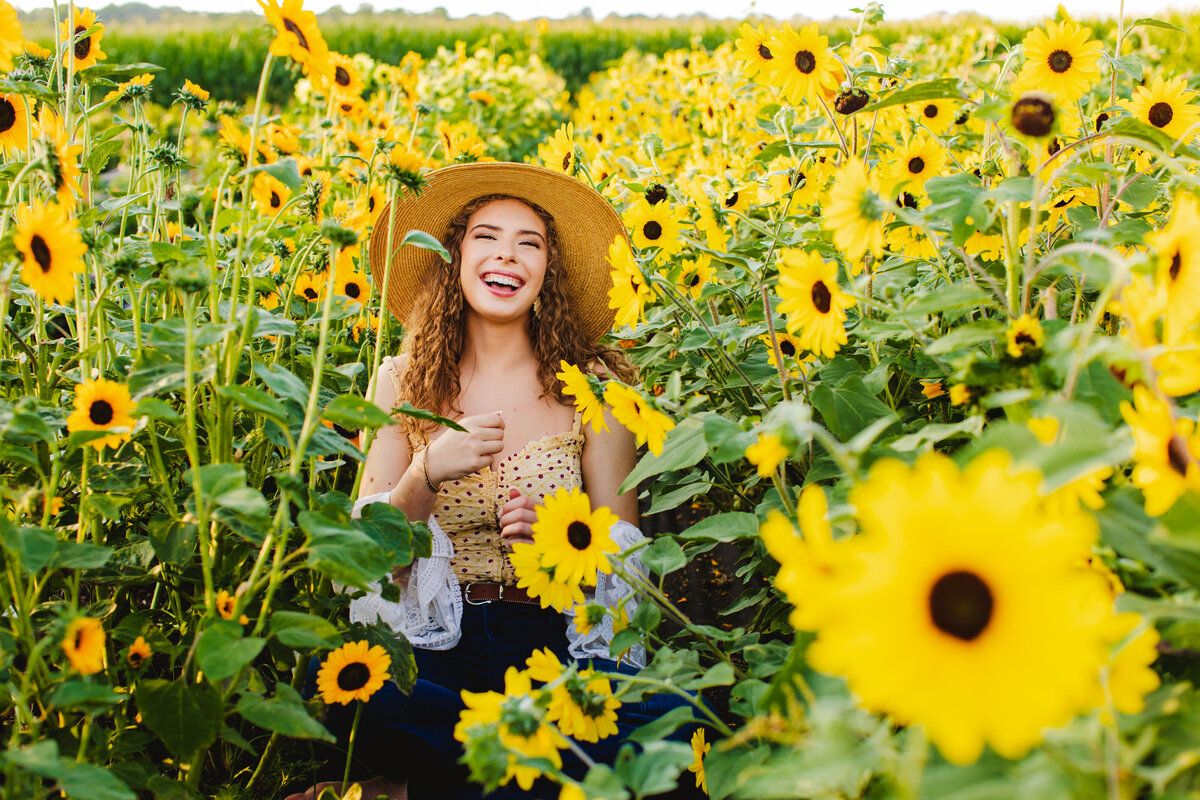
[{"x": 425, "y": 470}]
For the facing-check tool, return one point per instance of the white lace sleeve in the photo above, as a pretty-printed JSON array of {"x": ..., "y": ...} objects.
[
  {"x": 429, "y": 612},
  {"x": 610, "y": 590}
]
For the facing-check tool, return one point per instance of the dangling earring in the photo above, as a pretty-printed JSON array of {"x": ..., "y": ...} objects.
[{"x": 537, "y": 305}]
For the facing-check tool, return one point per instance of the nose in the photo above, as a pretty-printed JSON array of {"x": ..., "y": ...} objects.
[{"x": 504, "y": 254}]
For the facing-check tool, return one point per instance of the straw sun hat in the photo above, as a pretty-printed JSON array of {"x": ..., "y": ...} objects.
[{"x": 586, "y": 226}]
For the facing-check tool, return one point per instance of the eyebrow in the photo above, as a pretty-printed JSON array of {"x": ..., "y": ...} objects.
[{"x": 498, "y": 228}]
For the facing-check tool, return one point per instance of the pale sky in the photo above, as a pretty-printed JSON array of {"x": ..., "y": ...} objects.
[{"x": 1015, "y": 10}]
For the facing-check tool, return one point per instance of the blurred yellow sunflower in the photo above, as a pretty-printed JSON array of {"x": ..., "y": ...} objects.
[
  {"x": 638, "y": 416},
  {"x": 354, "y": 671},
  {"x": 87, "y": 48},
  {"x": 700, "y": 749},
  {"x": 1024, "y": 337},
  {"x": 753, "y": 49},
  {"x": 83, "y": 645},
  {"x": 310, "y": 287},
  {"x": 1063, "y": 60},
  {"x": 346, "y": 78},
  {"x": 270, "y": 194},
  {"x": 138, "y": 652},
  {"x": 854, "y": 214},
  {"x": 49, "y": 240},
  {"x": 14, "y": 130},
  {"x": 1166, "y": 450},
  {"x": 559, "y": 152},
  {"x": 539, "y": 581},
  {"x": 767, "y": 453},
  {"x": 573, "y": 537},
  {"x": 813, "y": 300},
  {"x": 1164, "y": 104},
  {"x": 12, "y": 43},
  {"x": 298, "y": 37}
]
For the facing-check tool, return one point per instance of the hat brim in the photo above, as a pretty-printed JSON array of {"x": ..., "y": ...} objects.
[{"x": 586, "y": 223}]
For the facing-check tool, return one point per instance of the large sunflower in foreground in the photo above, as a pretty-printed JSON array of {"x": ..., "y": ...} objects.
[
  {"x": 12, "y": 43},
  {"x": 87, "y": 48},
  {"x": 1164, "y": 104},
  {"x": 803, "y": 67},
  {"x": 574, "y": 538},
  {"x": 854, "y": 214},
  {"x": 1166, "y": 451},
  {"x": 354, "y": 671},
  {"x": 539, "y": 581},
  {"x": 815, "y": 304},
  {"x": 102, "y": 405},
  {"x": 1063, "y": 60},
  {"x": 53, "y": 250},
  {"x": 298, "y": 36},
  {"x": 973, "y": 611}
]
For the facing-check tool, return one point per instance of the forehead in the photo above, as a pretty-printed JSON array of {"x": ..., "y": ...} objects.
[{"x": 508, "y": 212}]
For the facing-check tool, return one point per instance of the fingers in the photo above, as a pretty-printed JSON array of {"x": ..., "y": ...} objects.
[{"x": 519, "y": 533}]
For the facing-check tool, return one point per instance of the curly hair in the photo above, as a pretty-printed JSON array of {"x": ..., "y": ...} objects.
[{"x": 437, "y": 336}]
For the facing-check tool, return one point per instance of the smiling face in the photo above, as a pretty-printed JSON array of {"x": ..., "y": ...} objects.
[{"x": 503, "y": 260}]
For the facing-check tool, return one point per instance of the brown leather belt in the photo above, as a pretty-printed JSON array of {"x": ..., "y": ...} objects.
[{"x": 478, "y": 593}]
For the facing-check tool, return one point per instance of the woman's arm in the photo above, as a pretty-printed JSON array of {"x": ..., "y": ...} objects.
[{"x": 608, "y": 458}]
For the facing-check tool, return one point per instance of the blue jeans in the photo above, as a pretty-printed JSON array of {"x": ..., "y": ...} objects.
[{"x": 411, "y": 737}]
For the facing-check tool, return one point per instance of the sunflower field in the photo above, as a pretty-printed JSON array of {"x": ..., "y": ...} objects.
[{"x": 918, "y": 332}]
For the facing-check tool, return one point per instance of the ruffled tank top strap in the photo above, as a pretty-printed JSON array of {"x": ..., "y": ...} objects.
[
  {"x": 578, "y": 424},
  {"x": 416, "y": 439}
]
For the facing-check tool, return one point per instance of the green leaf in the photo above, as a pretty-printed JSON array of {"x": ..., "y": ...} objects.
[
  {"x": 31, "y": 547},
  {"x": 81, "y": 555},
  {"x": 118, "y": 73},
  {"x": 726, "y": 440},
  {"x": 304, "y": 631},
  {"x": 1132, "y": 128},
  {"x": 963, "y": 336},
  {"x": 655, "y": 769},
  {"x": 959, "y": 199},
  {"x": 663, "y": 556},
  {"x": 848, "y": 409},
  {"x": 285, "y": 713},
  {"x": 354, "y": 412},
  {"x": 1131, "y": 64},
  {"x": 90, "y": 782},
  {"x": 726, "y": 527},
  {"x": 719, "y": 674},
  {"x": 647, "y": 617},
  {"x": 32, "y": 89},
  {"x": 408, "y": 410},
  {"x": 283, "y": 383},
  {"x": 24, "y": 427},
  {"x": 154, "y": 408},
  {"x": 684, "y": 447},
  {"x": 256, "y": 400},
  {"x": 90, "y": 697},
  {"x": 221, "y": 650},
  {"x": 284, "y": 170},
  {"x": 173, "y": 541},
  {"x": 102, "y": 153},
  {"x": 676, "y": 497},
  {"x": 1150, "y": 22},
  {"x": 424, "y": 241},
  {"x": 930, "y": 90},
  {"x": 663, "y": 726},
  {"x": 185, "y": 716},
  {"x": 946, "y": 298},
  {"x": 342, "y": 552}
]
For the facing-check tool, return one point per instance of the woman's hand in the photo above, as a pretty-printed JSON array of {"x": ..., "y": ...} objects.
[
  {"x": 517, "y": 518},
  {"x": 457, "y": 453}
]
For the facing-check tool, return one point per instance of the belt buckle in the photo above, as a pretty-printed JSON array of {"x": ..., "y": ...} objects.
[{"x": 467, "y": 595}]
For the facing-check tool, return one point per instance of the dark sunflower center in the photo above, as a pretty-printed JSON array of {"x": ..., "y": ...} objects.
[
  {"x": 787, "y": 348},
  {"x": 100, "y": 412},
  {"x": 353, "y": 290},
  {"x": 566, "y": 161},
  {"x": 1177, "y": 455},
  {"x": 806, "y": 62},
  {"x": 694, "y": 280},
  {"x": 798, "y": 179},
  {"x": 293, "y": 28},
  {"x": 84, "y": 45},
  {"x": 930, "y": 111},
  {"x": 135, "y": 659},
  {"x": 765, "y": 53},
  {"x": 341, "y": 76},
  {"x": 916, "y": 165},
  {"x": 652, "y": 230},
  {"x": 1054, "y": 146},
  {"x": 1025, "y": 340},
  {"x": 8, "y": 115},
  {"x": 656, "y": 194},
  {"x": 960, "y": 605},
  {"x": 1033, "y": 115},
  {"x": 353, "y": 677},
  {"x": 276, "y": 202},
  {"x": 78, "y": 639},
  {"x": 731, "y": 200},
  {"x": 346, "y": 109},
  {"x": 1161, "y": 114},
  {"x": 1100, "y": 120},
  {"x": 310, "y": 293},
  {"x": 906, "y": 200},
  {"x": 579, "y": 535},
  {"x": 821, "y": 297},
  {"x": 41, "y": 252},
  {"x": 371, "y": 204},
  {"x": 1059, "y": 61},
  {"x": 1176, "y": 265}
]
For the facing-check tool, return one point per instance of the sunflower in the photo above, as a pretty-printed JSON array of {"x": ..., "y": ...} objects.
[
  {"x": 583, "y": 706},
  {"x": 298, "y": 36},
  {"x": 753, "y": 49},
  {"x": 802, "y": 181},
  {"x": 936, "y": 115},
  {"x": 960, "y": 393},
  {"x": 979, "y": 584},
  {"x": 854, "y": 213},
  {"x": 12, "y": 43},
  {"x": 270, "y": 194},
  {"x": 353, "y": 109},
  {"x": 1024, "y": 338},
  {"x": 192, "y": 96},
  {"x": 767, "y": 453},
  {"x": 632, "y": 411},
  {"x": 83, "y": 644},
  {"x": 14, "y": 130},
  {"x": 346, "y": 78},
  {"x": 559, "y": 152},
  {"x": 813, "y": 300},
  {"x": 309, "y": 286},
  {"x": 1164, "y": 104},
  {"x": 1063, "y": 60},
  {"x": 803, "y": 67},
  {"x": 913, "y": 163},
  {"x": 354, "y": 671},
  {"x": 87, "y": 48},
  {"x": 796, "y": 361},
  {"x": 539, "y": 581},
  {"x": 136, "y": 87},
  {"x": 138, "y": 652},
  {"x": 1166, "y": 451},
  {"x": 1178, "y": 263},
  {"x": 62, "y": 159},
  {"x": 700, "y": 749},
  {"x": 695, "y": 274},
  {"x": 53, "y": 249},
  {"x": 227, "y": 604},
  {"x": 630, "y": 290},
  {"x": 654, "y": 226},
  {"x": 587, "y": 393},
  {"x": 573, "y": 538},
  {"x": 352, "y": 284}
]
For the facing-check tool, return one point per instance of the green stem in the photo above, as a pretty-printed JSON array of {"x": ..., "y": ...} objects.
[{"x": 350, "y": 746}]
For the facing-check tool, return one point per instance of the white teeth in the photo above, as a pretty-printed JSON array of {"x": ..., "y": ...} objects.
[{"x": 503, "y": 280}]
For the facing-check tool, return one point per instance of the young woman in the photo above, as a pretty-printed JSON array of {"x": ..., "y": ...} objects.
[{"x": 526, "y": 288}]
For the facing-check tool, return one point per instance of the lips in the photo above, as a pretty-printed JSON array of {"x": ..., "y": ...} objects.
[{"x": 502, "y": 284}]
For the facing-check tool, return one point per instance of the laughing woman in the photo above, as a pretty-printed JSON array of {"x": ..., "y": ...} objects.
[{"x": 526, "y": 289}]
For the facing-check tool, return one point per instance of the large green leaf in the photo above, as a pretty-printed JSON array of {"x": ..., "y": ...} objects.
[
  {"x": 423, "y": 240},
  {"x": 222, "y": 650},
  {"x": 352, "y": 411},
  {"x": 285, "y": 713},
  {"x": 342, "y": 552},
  {"x": 685, "y": 445},
  {"x": 663, "y": 556},
  {"x": 727, "y": 527},
  {"x": 849, "y": 408},
  {"x": 939, "y": 89},
  {"x": 186, "y": 716},
  {"x": 304, "y": 631},
  {"x": 31, "y": 547}
]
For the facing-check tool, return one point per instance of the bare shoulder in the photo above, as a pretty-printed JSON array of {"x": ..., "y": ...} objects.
[{"x": 387, "y": 380}]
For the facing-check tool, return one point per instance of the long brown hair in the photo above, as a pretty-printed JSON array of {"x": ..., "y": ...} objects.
[{"x": 436, "y": 337}]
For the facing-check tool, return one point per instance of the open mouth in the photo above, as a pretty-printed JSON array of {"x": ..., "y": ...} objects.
[{"x": 502, "y": 283}]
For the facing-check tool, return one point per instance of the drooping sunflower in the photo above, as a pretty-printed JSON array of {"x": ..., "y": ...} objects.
[
  {"x": 87, "y": 48},
  {"x": 767, "y": 452},
  {"x": 1164, "y": 104},
  {"x": 803, "y": 67},
  {"x": 913, "y": 163},
  {"x": 631, "y": 410},
  {"x": 573, "y": 537},
  {"x": 753, "y": 49},
  {"x": 539, "y": 581},
  {"x": 1063, "y": 60},
  {"x": 83, "y": 645},
  {"x": 654, "y": 226},
  {"x": 558, "y": 153},
  {"x": 62, "y": 159},
  {"x": 977, "y": 582},
  {"x": 630, "y": 291},
  {"x": 1166, "y": 451},
  {"x": 700, "y": 749},
  {"x": 297, "y": 36},
  {"x": 813, "y": 300},
  {"x": 53, "y": 250},
  {"x": 354, "y": 671},
  {"x": 102, "y": 405},
  {"x": 13, "y": 123},
  {"x": 854, "y": 214},
  {"x": 584, "y": 389},
  {"x": 1024, "y": 338},
  {"x": 12, "y": 43},
  {"x": 138, "y": 652},
  {"x": 270, "y": 194}
]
